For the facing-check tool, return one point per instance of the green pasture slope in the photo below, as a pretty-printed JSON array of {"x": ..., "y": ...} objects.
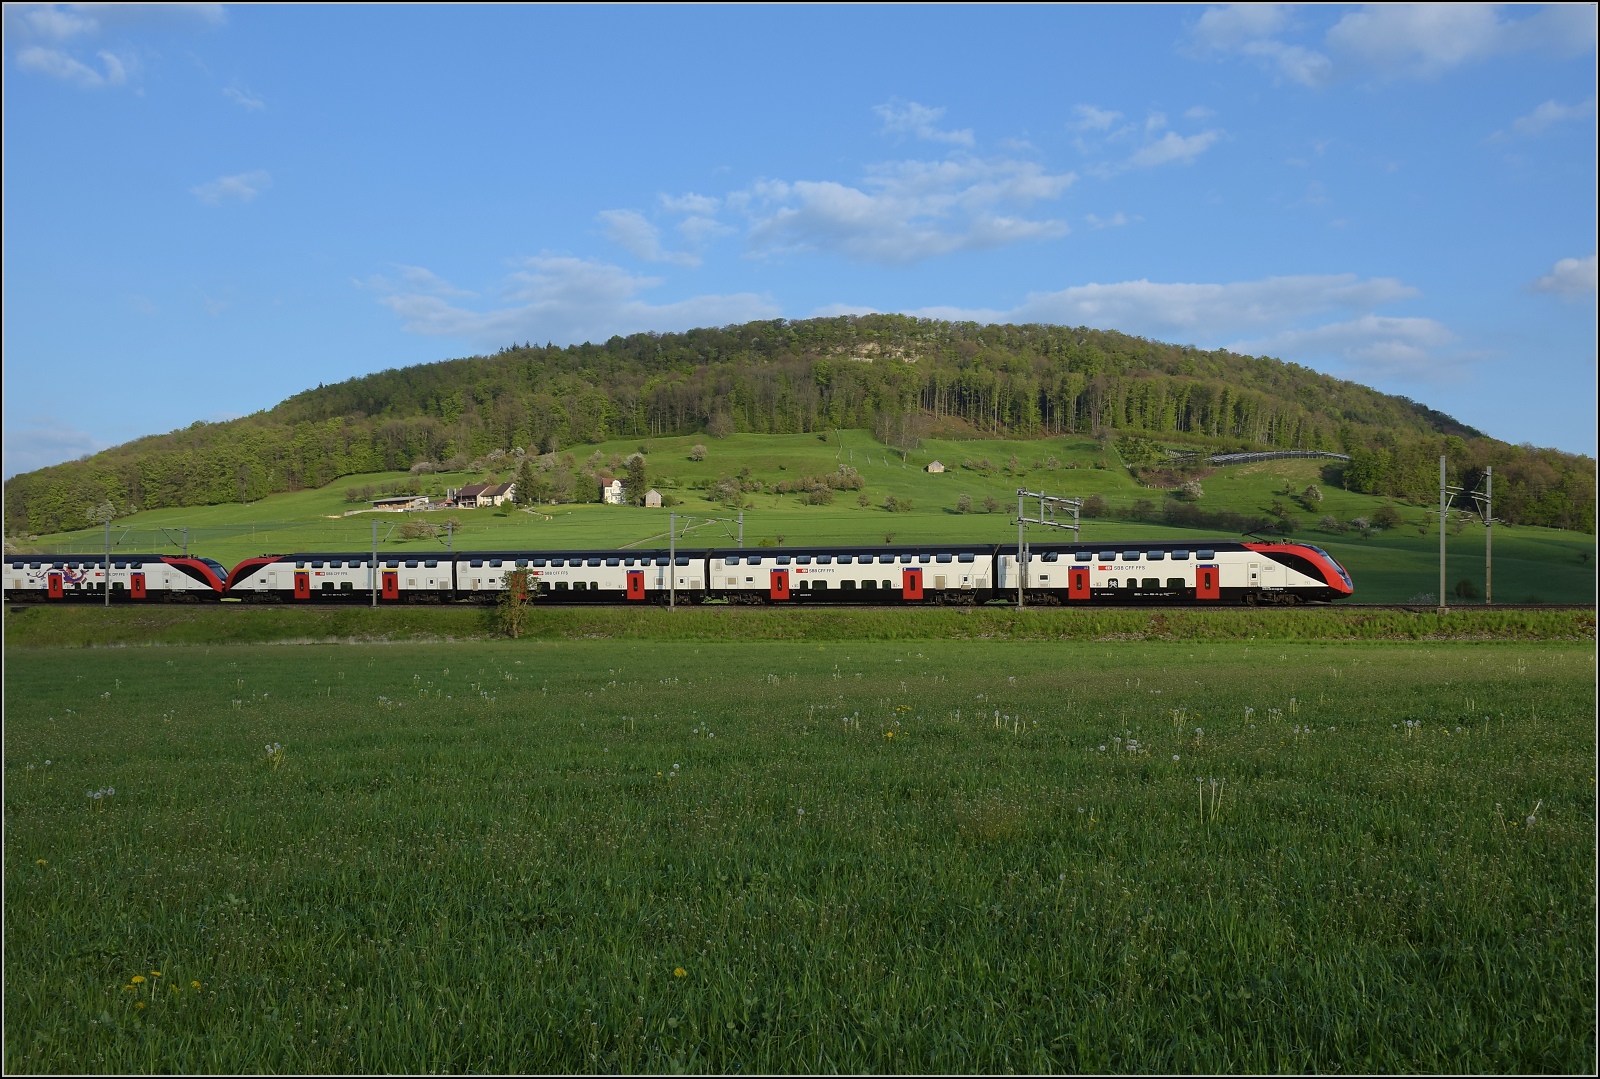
[
  {"x": 654, "y": 855},
  {"x": 1531, "y": 564}
]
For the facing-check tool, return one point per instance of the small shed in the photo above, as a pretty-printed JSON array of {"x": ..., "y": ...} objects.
[
  {"x": 934, "y": 466},
  {"x": 652, "y": 499}
]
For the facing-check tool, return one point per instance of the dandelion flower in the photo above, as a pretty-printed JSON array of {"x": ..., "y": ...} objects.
[
  {"x": 43, "y": 862},
  {"x": 136, "y": 979},
  {"x": 155, "y": 974},
  {"x": 679, "y": 972},
  {"x": 139, "y": 1004},
  {"x": 194, "y": 985}
]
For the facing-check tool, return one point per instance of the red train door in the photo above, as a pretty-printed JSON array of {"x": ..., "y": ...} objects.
[
  {"x": 1077, "y": 583},
  {"x": 53, "y": 583},
  {"x": 302, "y": 586},
  {"x": 136, "y": 585},
  {"x": 636, "y": 584},
  {"x": 391, "y": 584},
  {"x": 780, "y": 584},
  {"x": 911, "y": 583},
  {"x": 1207, "y": 582}
]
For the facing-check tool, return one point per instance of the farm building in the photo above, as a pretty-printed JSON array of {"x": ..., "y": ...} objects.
[
  {"x": 934, "y": 466},
  {"x": 400, "y": 503},
  {"x": 480, "y": 495},
  {"x": 652, "y": 499}
]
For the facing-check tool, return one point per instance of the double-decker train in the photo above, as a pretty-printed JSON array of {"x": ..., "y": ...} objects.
[{"x": 1210, "y": 571}]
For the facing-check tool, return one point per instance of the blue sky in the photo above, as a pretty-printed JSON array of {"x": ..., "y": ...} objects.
[{"x": 210, "y": 208}]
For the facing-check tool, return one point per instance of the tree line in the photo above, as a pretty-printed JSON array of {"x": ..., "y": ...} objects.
[{"x": 889, "y": 373}]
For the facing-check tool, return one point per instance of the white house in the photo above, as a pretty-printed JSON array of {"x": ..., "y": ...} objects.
[
  {"x": 610, "y": 490},
  {"x": 481, "y": 495},
  {"x": 934, "y": 466}
]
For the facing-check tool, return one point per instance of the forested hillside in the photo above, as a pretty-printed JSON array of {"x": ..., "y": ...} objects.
[{"x": 897, "y": 375}]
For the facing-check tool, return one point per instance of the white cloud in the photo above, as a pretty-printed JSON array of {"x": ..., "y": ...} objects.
[
  {"x": 1571, "y": 279},
  {"x": 41, "y": 441},
  {"x": 58, "y": 65},
  {"x": 905, "y": 211},
  {"x": 834, "y": 310},
  {"x": 1090, "y": 118},
  {"x": 639, "y": 236},
  {"x": 919, "y": 120},
  {"x": 1201, "y": 310},
  {"x": 244, "y": 98},
  {"x": 1549, "y": 114},
  {"x": 1116, "y": 220},
  {"x": 1393, "y": 40},
  {"x": 699, "y": 205},
  {"x": 1173, "y": 147},
  {"x": 244, "y": 187},
  {"x": 56, "y": 22},
  {"x": 1405, "y": 348},
  {"x": 569, "y": 300}
]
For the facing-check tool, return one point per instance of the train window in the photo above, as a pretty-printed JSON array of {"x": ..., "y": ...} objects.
[
  {"x": 541, "y": 563},
  {"x": 683, "y": 560},
  {"x": 476, "y": 563},
  {"x": 946, "y": 558},
  {"x": 314, "y": 565},
  {"x": 119, "y": 565},
  {"x": 886, "y": 558},
  {"x": 72, "y": 565},
  {"x": 824, "y": 559},
  {"x": 907, "y": 557},
  {"x": 494, "y": 563},
  {"x": 1049, "y": 556},
  {"x": 924, "y": 558},
  {"x": 1083, "y": 556},
  {"x": 869, "y": 584},
  {"x": 819, "y": 584},
  {"x": 594, "y": 561},
  {"x": 1152, "y": 583},
  {"x": 411, "y": 564},
  {"x": 783, "y": 560},
  {"x": 661, "y": 561},
  {"x": 561, "y": 586},
  {"x": 1154, "y": 556},
  {"x": 302, "y": 565},
  {"x": 579, "y": 586},
  {"x": 393, "y": 563},
  {"x": 1205, "y": 556},
  {"x": 1175, "y": 584},
  {"x": 522, "y": 563},
  {"x": 1108, "y": 556},
  {"x": 845, "y": 559},
  {"x": 1130, "y": 556},
  {"x": 802, "y": 560},
  {"x": 432, "y": 563},
  {"x": 1180, "y": 556},
  {"x": 613, "y": 561},
  {"x": 131, "y": 565},
  {"x": 964, "y": 558},
  {"x": 847, "y": 584}
]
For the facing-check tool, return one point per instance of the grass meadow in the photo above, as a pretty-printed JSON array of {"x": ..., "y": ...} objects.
[{"x": 578, "y": 855}]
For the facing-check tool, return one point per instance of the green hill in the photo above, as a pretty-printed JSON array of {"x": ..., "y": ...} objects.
[{"x": 911, "y": 382}]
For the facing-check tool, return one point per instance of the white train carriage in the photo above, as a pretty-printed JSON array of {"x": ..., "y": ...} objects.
[
  {"x": 342, "y": 577},
  {"x": 133, "y": 577},
  {"x": 1213, "y": 571},
  {"x": 612, "y": 576},
  {"x": 937, "y": 574}
]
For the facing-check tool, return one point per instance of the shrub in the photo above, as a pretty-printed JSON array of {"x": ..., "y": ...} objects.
[
  {"x": 698, "y": 453},
  {"x": 1191, "y": 491},
  {"x": 1465, "y": 589},
  {"x": 963, "y": 503},
  {"x": 863, "y": 500},
  {"x": 1330, "y": 523},
  {"x": 721, "y": 425},
  {"x": 1093, "y": 506},
  {"x": 820, "y": 496},
  {"x": 991, "y": 504},
  {"x": 1387, "y": 516},
  {"x": 1288, "y": 524}
]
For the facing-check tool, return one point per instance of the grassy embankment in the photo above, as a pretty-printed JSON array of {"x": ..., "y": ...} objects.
[
  {"x": 855, "y": 856},
  {"x": 86, "y": 626},
  {"x": 1531, "y": 564}
]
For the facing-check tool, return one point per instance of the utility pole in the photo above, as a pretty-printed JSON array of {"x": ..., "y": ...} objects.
[
  {"x": 1021, "y": 551},
  {"x": 374, "y": 563},
  {"x": 108, "y": 561},
  {"x": 1447, "y": 495},
  {"x": 186, "y": 541},
  {"x": 672, "y": 561},
  {"x": 1488, "y": 537},
  {"x": 450, "y": 550},
  {"x": 741, "y": 530}
]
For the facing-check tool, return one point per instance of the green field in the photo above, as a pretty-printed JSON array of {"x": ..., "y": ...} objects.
[
  {"x": 1531, "y": 564},
  {"x": 651, "y": 855}
]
